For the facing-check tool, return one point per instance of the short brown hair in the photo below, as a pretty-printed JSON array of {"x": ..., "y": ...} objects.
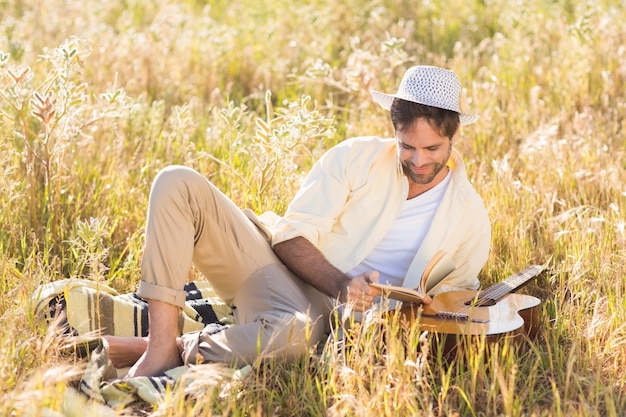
[{"x": 403, "y": 113}]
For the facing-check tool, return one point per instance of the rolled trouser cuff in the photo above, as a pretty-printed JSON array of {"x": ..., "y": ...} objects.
[{"x": 161, "y": 293}]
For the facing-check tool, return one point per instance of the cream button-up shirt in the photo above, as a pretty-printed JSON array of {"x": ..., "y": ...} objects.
[{"x": 352, "y": 196}]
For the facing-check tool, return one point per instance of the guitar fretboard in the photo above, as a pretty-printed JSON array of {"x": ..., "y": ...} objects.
[{"x": 510, "y": 284}]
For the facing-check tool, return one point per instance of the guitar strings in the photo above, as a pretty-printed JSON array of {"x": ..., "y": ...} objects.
[{"x": 501, "y": 289}]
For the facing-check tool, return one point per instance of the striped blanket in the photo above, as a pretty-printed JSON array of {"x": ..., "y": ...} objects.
[
  {"x": 91, "y": 307},
  {"x": 100, "y": 382},
  {"x": 87, "y": 308}
]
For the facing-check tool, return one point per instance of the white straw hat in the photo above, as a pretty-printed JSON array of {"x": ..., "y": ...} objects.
[{"x": 431, "y": 86}]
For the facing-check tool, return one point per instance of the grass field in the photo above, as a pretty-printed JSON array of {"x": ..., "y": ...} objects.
[{"x": 96, "y": 97}]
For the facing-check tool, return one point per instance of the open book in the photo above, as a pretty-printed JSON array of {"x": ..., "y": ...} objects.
[{"x": 439, "y": 267}]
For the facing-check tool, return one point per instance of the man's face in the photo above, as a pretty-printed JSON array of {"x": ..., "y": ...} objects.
[{"x": 423, "y": 153}]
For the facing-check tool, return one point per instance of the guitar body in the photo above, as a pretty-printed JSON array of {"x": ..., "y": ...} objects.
[{"x": 500, "y": 318}]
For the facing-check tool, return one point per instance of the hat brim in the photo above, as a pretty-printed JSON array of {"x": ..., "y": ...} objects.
[{"x": 386, "y": 100}]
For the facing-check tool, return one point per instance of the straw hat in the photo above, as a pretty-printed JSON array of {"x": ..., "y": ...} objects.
[{"x": 431, "y": 86}]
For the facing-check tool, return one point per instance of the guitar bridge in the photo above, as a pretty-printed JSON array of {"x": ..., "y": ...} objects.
[{"x": 449, "y": 315}]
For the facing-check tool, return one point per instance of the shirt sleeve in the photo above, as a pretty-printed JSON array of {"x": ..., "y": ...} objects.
[{"x": 320, "y": 199}]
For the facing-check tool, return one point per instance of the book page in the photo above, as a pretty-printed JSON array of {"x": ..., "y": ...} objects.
[
  {"x": 399, "y": 293},
  {"x": 436, "y": 270},
  {"x": 439, "y": 267}
]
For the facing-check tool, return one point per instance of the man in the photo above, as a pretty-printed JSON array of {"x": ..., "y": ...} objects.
[{"x": 370, "y": 209}]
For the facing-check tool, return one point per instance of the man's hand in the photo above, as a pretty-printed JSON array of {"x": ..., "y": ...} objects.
[{"x": 359, "y": 293}]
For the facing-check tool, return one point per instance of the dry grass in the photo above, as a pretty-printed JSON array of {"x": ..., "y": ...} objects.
[{"x": 250, "y": 93}]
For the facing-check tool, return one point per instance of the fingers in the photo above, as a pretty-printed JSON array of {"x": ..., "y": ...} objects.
[
  {"x": 371, "y": 276},
  {"x": 360, "y": 294},
  {"x": 359, "y": 299}
]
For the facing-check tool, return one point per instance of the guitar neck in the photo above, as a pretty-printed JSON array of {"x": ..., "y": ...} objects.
[{"x": 511, "y": 284}]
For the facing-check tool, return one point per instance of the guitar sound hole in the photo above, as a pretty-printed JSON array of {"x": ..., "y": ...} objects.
[{"x": 481, "y": 302}]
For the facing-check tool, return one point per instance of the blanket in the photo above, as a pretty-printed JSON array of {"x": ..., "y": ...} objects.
[
  {"x": 87, "y": 309},
  {"x": 99, "y": 381},
  {"x": 92, "y": 307}
]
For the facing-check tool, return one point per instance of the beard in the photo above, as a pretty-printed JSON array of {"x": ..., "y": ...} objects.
[{"x": 426, "y": 178}]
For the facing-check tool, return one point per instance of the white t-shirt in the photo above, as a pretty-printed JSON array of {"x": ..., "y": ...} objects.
[{"x": 393, "y": 255}]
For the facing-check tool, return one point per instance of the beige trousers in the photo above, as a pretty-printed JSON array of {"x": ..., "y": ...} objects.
[{"x": 190, "y": 220}]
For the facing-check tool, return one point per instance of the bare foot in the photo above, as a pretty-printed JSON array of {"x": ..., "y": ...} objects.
[
  {"x": 156, "y": 360},
  {"x": 162, "y": 352}
]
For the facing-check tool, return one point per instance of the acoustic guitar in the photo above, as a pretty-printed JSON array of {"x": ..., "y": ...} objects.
[{"x": 493, "y": 312}]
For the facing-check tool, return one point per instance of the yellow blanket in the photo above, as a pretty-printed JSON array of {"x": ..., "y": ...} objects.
[{"x": 93, "y": 307}]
